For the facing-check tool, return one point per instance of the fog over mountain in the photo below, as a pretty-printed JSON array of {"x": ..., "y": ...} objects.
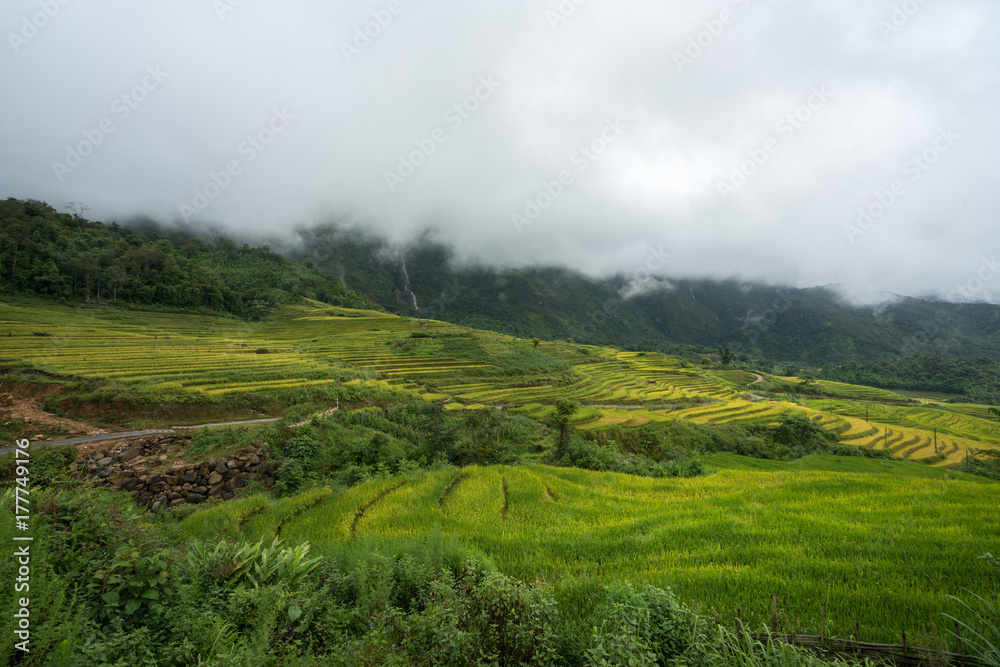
[{"x": 801, "y": 143}]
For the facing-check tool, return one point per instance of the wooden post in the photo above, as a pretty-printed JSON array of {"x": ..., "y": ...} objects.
[
  {"x": 774, "y": 613},
  {"x": 905, "y": 647},
  {"x": 822, "y": 625},
  {"x": 857, "y": 631},
  {"x": 958, "y": 636},
  {"x": 739, "y": 620}
]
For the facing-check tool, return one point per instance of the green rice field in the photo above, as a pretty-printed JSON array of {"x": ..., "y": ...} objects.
[{"x": 879, "y": 542}]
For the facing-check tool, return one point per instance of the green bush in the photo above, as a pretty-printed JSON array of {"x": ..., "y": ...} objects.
[
  {"x": 290, "y": 478},
  {"x": 643, "y": 627},
  {"x": 136, "y": 580},
  {"x": 203, "y": 441},
  {"x": 44, "y": 465}
]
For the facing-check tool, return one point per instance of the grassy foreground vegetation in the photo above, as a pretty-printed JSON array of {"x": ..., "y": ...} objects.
[{"x": 510, "y": 565}]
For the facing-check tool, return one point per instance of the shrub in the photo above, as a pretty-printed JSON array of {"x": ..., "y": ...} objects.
[
  {"x": 204, "y": 441},
  {"x": 290, "y": 478},
  {"x": 303, "y": 448},
  {"x": 135, "y": 580},
  {"x": 45, "y": 466},
  {"x": 645, "y": 627}
]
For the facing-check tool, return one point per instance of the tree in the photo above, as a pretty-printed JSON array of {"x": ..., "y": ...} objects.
[
  {"x": 725, "y": 355},
  {"x": 565, "y": 409},
  {"x": 486, "y": 426}
]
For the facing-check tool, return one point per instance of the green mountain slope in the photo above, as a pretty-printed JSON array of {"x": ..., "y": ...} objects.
[
  {"x": 808, "y": 326},
  {"x": 67, "y": 258}
]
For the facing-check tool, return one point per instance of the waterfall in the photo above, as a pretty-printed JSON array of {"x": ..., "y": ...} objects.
[{"x": 406, "y": 284}]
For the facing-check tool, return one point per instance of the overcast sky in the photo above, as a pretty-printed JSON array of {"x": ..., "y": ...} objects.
[{"x": 744, "y": 138}]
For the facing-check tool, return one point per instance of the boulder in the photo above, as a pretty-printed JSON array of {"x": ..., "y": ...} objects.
[{"x": 130, "y": 454}]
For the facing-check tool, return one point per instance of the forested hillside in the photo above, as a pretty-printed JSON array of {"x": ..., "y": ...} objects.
[
  {"x": 70, "y": 259},
  {"x": 976, "y": 379},
  {"x": 762, "y": 324}
]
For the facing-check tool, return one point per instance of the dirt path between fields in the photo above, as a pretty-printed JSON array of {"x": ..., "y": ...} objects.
[
  {"x": 28, "y": 409},
  {"x": 760, "y": 378}
]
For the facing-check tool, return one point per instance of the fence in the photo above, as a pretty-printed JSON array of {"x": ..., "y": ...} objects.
[{"x": 898, "y": 654}]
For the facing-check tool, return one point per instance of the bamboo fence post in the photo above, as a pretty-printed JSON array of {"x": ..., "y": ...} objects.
[
  {"x": 905, "y": 647},
  {"x": 822, "y": 625}
]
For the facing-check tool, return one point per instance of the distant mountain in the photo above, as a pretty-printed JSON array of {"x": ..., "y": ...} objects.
[{"x": 812, "y": 326}]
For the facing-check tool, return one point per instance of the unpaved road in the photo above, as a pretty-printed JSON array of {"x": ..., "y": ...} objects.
[{"x": 101, "y": 437}]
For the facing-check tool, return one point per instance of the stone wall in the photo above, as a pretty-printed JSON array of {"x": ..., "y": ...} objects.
[{"x": 140, "y": 468}]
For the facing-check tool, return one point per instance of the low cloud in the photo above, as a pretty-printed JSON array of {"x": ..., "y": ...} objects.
[{"x": 406, "y": 116}]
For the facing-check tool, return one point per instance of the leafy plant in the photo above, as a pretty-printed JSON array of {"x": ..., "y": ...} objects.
[
  {"x": 135, "y": 580},
  {"x": 259, "y": 564}
]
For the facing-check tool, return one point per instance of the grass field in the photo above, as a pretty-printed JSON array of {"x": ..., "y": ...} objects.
[{"x": 877, "y": 541}]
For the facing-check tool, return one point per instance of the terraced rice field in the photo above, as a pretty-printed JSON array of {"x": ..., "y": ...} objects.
[
  {"x": 959, "y": 432},
  {"x": 880, "y": 541},
  {"x": 318, "y": 346}
]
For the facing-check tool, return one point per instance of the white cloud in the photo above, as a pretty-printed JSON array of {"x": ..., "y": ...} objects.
[{"x": 656, "y": 184}]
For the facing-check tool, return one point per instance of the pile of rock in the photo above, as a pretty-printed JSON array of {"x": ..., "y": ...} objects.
[{"x": 138, "y": 469}]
